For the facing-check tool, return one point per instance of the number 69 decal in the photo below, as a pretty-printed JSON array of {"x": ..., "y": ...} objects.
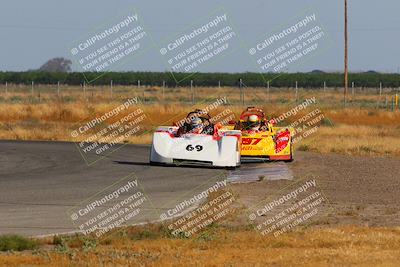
[{"x": 197, "y": 147}]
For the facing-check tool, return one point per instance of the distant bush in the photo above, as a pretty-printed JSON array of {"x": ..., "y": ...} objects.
[
  {"x": 68, "y": 98},
  {"x": 251, "y": 79},
  {"x": 16, "y": 99},
  {"x": 16, "y": 243}
]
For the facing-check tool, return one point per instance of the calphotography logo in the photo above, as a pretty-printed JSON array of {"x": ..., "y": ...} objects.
[
  {"x": 278, "y": 36},
  {"x": 196, "y": 199},
  {"x": 107, "y": 132},
  {"x": 190, "y": 144},
  {"x": 294, "y": 111},
  {"x": 296, "y": 205},
  {"x": 202, "y": 44},
  {"x": 197, "y": 213},
  {"x": 303, "y": 125},
  {"x": 107, "y": 48},
  {"x": 286, "y": 47},
  {"x": 114, "y": 207},
  {"x": 206, "y": 110}
]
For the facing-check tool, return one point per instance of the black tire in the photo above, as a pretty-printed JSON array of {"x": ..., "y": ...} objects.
[
  {"x": 291, "y": 159},
  {"x": 291, "y": 154}
]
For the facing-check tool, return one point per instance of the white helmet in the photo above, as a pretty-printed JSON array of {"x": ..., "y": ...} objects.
[
  {"x": 196, "y": 125},
  {"x": 195, "y": 121},
  {"x": 253, "y": 118},
  {"x": 254, "y": 122}
]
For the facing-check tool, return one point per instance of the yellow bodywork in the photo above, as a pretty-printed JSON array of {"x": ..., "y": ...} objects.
[{"x": 262, "y": 144}]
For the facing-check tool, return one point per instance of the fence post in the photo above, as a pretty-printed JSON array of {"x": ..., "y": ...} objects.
[
  {"x": 386, "y": 102},
  {"x": 84, "y": 90},
  {"x": 138, "y": 83},
  {"x": 378, "y": 104},
  {"x": 219, "y": 84},
  {"x": 58, "y": 88},
  {"x": 163, "y": 90},
  {"x": 268, "y": 96},
  {"x": 297, "y": 92},
  {"x": 6, "y": 87},
  {"x": 324, "y": 86},
  {"x": 32, "y": 88},
  {"x": 192, "y": 91},
  {"x": 241, "y": 91},
  {"x": 352, "y": 88},
  {"x": 393, "y": 103},
  {"x": 111, "y": 88}
]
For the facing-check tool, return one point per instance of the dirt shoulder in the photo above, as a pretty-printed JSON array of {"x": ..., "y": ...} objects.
[{"x": 360, "y": 190}]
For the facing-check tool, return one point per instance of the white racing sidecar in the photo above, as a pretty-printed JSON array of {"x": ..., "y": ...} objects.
[{"x": 217, "y": 147}]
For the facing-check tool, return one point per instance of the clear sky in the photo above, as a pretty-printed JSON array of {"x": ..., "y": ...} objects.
[{"x": 34, "y": 31}]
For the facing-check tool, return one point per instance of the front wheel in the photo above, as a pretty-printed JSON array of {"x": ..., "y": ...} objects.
[
  {"x": 232, "y": 168},
  {"x": 291, "y": 154}
]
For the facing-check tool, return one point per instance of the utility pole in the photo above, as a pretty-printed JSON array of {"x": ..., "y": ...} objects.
[{"x": 346, "y": 70}]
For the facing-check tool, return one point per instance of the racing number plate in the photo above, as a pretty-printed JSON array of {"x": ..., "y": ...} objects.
[
  {"x": 197, "y": 148},
  {"x": 250, "y": 141}
]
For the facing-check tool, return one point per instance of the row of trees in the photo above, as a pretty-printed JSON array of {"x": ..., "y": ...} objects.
[{"x": 309, "y": 80}]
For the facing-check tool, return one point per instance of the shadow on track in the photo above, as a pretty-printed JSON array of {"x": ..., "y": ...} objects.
[
  {"x": 132, "y": 163},
  {"x": 183, "y": 165}
]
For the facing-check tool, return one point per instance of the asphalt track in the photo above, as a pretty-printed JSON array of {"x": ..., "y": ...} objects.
[{"x": 40, "y": 182}]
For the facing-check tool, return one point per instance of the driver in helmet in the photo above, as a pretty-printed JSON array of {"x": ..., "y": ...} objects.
[
  {"x": 253, "y": 123},
  {"x": 196, "y": 125}
]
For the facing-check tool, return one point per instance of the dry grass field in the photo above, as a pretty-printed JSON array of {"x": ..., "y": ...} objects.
[
  {"x": 369, "y": 125},
  {"x": 220, "y": 246}
]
